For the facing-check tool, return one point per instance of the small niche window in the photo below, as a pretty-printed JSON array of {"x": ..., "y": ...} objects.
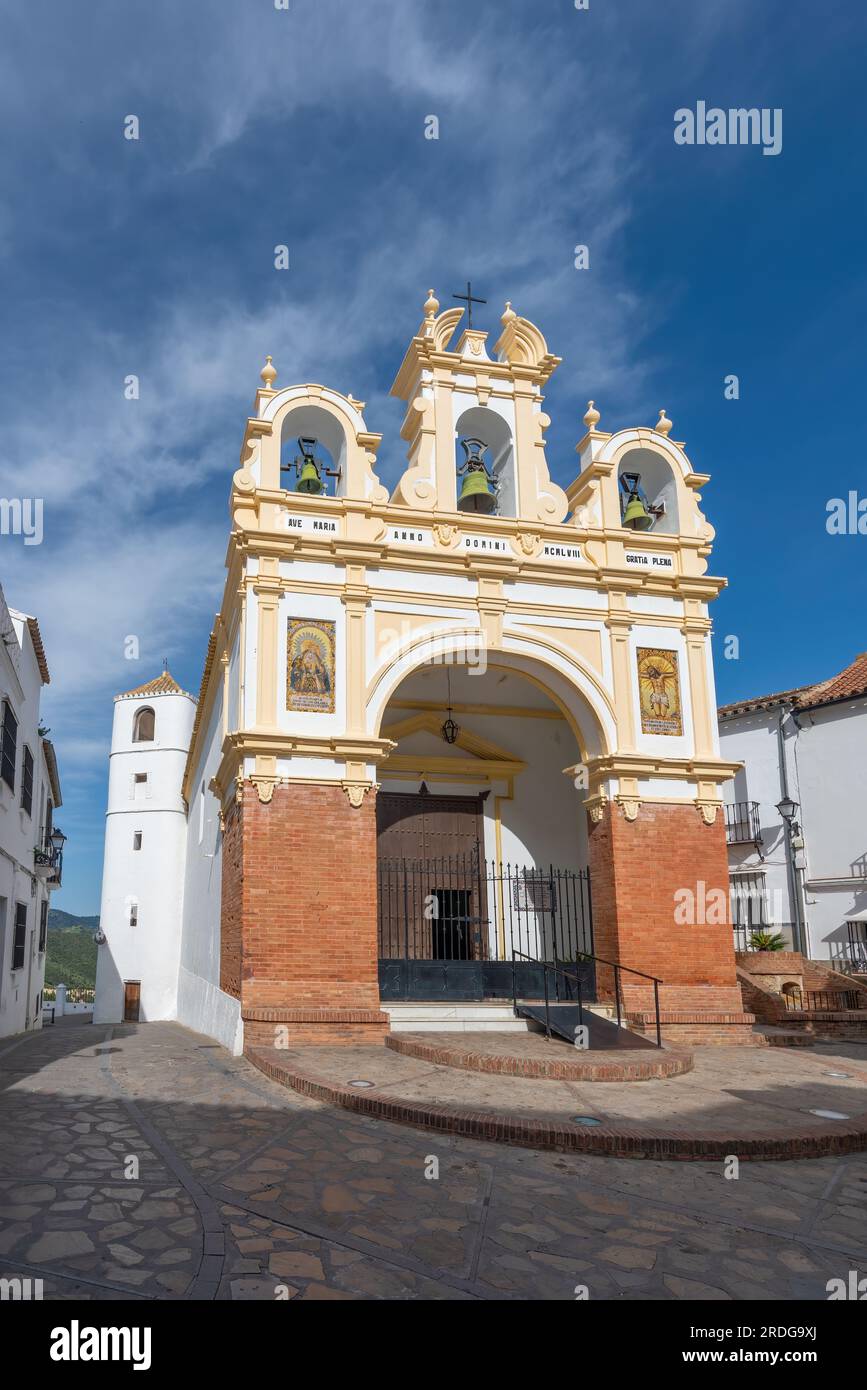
[
  {"x": 133, "y": 914},
  {"x": 139, "y": 784},
  {"x": 43, "y": 925},
  {"x": 143, "y": 726},
  {"x": 136, "y": 839}
]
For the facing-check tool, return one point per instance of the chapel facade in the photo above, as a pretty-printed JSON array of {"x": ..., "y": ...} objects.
[{"x": 442, "y": 734}]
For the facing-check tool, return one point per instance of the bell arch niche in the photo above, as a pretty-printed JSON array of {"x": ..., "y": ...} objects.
[
  {"x": 481, "y": 423},
  {"x": 658, "y": 484},
  {"x": 312, "y": 423}
]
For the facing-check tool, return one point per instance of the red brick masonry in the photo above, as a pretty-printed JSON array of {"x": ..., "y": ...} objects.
[
  {"x": 299, "y": 941},
  {"x": 572, "y": 1065},
  {"x": 637, "y": 870}
]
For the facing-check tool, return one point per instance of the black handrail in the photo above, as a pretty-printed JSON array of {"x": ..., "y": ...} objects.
[
  {"x": 613, "y": 964},
  {"x": 558, "y": 970}
]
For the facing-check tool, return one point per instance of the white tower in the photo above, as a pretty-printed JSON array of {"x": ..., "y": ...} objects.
[{"x": 145, "y": 844}]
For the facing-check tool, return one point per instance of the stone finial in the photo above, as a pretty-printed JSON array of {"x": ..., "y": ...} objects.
[
  {"x": 663, "y": 424},
  {"x": 431, "y": 306},
  {"x": 268, "y": 374},
  {"x": 508, "y": 313},
  {"x": 592, "y": 417}
]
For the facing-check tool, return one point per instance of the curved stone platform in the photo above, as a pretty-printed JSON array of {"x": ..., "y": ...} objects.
[
  {"x": 533, "y": 1055},
  {"x": 759, "y": 1109}
]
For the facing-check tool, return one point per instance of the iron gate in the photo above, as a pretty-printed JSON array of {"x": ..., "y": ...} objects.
[{"x": 460, "y": 927}]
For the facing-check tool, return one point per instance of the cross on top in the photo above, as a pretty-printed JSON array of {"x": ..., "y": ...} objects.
[{"x": 470, "y": 299}]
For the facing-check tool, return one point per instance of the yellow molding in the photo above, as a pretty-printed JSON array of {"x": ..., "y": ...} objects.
[
  {"x": 484, "y": 769},
  {"x": 504, "y": 711},
  {"x": 429, "y": 722}
]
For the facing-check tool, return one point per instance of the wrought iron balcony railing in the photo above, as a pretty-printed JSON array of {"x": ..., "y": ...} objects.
[
  {"x": 742, "y": 823},
  {"x": 49, "y": 865}
]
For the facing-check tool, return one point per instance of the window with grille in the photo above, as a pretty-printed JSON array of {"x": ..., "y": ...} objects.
[
  {"x": 43, "y": 925},
  {"x": 8, "y": 746},
  {"x": 20, "y": 940},
  {"x": 27, "y": 782}
]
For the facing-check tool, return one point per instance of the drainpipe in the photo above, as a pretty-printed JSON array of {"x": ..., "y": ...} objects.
[{"x": 794, "y": 886}]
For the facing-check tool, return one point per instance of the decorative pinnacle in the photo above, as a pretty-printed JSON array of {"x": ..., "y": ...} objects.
[
  {"x": 268, "y": 374},
  {"x": 663, "y": 424},
  {"x": 592, "y": 417},
  {"x": 509, "y": 314},
  {"x": 431, "y": 305}
]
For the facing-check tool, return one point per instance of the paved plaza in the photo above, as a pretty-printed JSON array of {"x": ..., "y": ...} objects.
[{"x": 142, "y": 1162}]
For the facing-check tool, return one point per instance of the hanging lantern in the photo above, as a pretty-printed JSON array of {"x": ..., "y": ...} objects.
[
  {"x": 449, "y": 728},
  {"x": 478, "y": 489}
]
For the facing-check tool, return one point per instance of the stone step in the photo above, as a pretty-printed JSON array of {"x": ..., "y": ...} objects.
[{"x": 454, "y": 1018}]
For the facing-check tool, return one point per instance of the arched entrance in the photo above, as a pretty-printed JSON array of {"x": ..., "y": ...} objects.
[{"x": 481, "y": 834}]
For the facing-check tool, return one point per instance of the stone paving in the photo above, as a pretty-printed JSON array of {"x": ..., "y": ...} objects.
[
  {"x": 141, "y": 1162},
  {"x": 768, "y": 1088}
]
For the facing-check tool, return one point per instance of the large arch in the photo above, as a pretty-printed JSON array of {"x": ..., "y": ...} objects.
[{"x": 576, "y": 691}]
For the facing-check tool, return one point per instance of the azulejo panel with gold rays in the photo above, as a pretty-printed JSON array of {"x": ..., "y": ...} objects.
[{"x": 310, "y": 666}]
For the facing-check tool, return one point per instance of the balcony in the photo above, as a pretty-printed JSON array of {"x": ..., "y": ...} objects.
[
  {"x": 742, "y": 823},
  {"x": 48, "y": 861}
]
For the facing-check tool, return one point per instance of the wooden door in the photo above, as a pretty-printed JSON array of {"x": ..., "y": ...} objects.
[
  {"x": 432, "y": 900},
  {"x": 131, "y": 1000}
]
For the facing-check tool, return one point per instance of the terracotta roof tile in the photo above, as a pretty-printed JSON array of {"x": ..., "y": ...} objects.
[
  {"x": 164, "y": 684},
  {"x": 849, "y": 683}
]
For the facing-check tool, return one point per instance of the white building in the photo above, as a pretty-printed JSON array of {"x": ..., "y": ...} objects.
[
  {"x": 807, "y": 877},
  {"x": 30, "y": 866},
  {"x": 145, "y": 848}
]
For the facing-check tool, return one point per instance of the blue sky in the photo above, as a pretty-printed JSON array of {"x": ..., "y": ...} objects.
[{"x": 305, "y": 126}]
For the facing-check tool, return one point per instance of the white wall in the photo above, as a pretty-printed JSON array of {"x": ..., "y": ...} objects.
[
  {"x": 152, "y": 877},
  {"x": 20, "y": 833},
  {"x": 202, "y": 1005},
  {"x": 825, "y": 752},
  {"x": 832, "y": 760}
]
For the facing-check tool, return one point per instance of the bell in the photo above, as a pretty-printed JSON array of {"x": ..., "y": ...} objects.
[
  {"x": 477, "y": 494},
  {"x": 636, "y": 516},
  {"x": 309, "y": 479}
]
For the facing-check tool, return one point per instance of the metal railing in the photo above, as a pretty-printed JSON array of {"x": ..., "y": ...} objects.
[
  {"x": 558, "y": 972},
  {"x": 822, "y": 1000},
  {"x": 614, "y": 965},
  {"x": 462, "y": 907},
  {"x": 742, "y": 823},
  {"x": 448, "y": 927}
]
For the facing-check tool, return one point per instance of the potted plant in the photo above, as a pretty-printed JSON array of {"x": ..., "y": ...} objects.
[{"x": 767, "y": 941}]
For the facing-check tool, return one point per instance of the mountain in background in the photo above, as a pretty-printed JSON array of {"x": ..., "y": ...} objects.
[{"x": 70, "y": 957}]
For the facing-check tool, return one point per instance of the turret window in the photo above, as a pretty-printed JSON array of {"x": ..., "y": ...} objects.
[{"x": 143, "y": 726}]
